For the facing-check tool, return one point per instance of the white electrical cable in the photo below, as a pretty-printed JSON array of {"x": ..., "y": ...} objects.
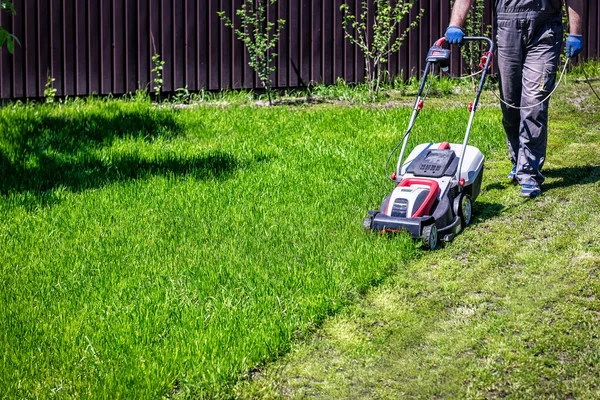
[
  {"x": 467, "y": 76},
  {"x": 589, "y": 84},
  {"x": 541, "y": 102}
]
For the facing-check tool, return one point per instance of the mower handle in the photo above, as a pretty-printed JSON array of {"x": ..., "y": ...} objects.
[
  {"x": 437, "y": 55},
  {"x": 485, "y": 63},
  {"x": 489, "y": 41}
]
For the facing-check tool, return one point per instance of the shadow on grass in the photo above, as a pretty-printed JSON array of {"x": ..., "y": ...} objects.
[
  {"x": 33, "y": 130},
  {"x": 485, "y": 211},
  {"x": 37, "y": 187},
  {"x": 568, "y": 176},
  {"x": 42, "y": 149},
  {"x": 560, "y": 177},
  {"x": 87, "y": 172},
  {"x": 498, "y": 186}
]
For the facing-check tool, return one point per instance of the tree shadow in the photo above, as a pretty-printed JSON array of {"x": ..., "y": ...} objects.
[
  {"x": 41, "y": 151},
  {"x": 38, "y": 186},
  {"x": 88, "y": 171},
  {"x": 34, "y": 130}
]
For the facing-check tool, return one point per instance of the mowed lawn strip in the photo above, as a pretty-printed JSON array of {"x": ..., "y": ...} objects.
[
  {"x": 149, "y": 251},
  {"x": 510, "y": 309}
]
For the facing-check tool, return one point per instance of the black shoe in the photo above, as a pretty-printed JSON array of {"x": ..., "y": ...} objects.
[{"x": 530, "y": 191}]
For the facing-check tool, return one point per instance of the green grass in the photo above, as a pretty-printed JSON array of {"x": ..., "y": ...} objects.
[
  {"x": 150, "y": 251},
  {"x": 508, "y": 310},
  {"x": 155, "y": 251},
  {"x": 591, "y": 68}
]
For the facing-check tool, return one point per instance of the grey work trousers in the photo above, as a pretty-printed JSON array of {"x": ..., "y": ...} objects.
[{"x": 528, "y": 55}]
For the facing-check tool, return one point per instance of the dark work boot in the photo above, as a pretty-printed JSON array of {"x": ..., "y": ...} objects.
[{"x": 530, "y": 191}]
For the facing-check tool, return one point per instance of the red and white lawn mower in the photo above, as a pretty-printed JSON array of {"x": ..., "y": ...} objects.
[{"x": 437, "y": 183}]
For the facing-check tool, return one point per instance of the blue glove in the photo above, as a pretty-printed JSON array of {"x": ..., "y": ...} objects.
[
  {"x": 574, "y": 45},
  {"x": 454, "y": 34}
]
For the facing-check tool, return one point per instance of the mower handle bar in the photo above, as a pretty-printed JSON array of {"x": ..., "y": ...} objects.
[
  {"x": 473, "y": 106},
  {"x": 489, "y": 41}
]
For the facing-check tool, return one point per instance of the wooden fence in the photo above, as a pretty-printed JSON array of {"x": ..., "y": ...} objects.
[{"x": 106, "y": 46}]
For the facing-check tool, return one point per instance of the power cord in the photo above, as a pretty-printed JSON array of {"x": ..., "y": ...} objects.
[
  {"x": 536, "y": 104},
  {"x": 587, "y": 79}
]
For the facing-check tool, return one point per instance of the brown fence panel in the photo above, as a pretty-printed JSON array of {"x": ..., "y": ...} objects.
[{"x": 106, "y": 46}]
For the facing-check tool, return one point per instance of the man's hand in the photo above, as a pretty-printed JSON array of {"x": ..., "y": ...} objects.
[
  {"x": 574, "y": 45},
  {"x": 454, "y": 35}
]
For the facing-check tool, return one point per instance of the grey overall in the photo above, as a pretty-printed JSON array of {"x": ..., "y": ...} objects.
[{"x": 529, "y": 39}]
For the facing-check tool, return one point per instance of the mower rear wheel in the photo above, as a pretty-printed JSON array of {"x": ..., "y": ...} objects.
[
  {"x": 368, "y": 223},
  {"x": 430, "y": 237},
  {"x": 465, "y": 209}
]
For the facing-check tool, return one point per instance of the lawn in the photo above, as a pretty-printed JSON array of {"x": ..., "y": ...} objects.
[
  {"x": 509, "y": 310},
  {"x": 167, "y": 252},
  {"x": 151, "y": 251}
]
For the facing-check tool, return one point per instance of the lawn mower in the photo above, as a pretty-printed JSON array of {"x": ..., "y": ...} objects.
[{"x": 437, "y": 183}]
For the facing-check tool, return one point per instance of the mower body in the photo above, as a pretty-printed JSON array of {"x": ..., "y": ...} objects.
[
  {"x": 427, "y": 192},
  {"x": 437, "y": 183}
]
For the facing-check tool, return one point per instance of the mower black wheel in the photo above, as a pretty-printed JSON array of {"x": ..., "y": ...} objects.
[
  {"x": 368, "y": 223},
  {"x": 465, "y": 209},
  {"x": 430, "y": 237}
]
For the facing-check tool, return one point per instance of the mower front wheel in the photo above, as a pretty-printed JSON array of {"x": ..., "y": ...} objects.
[
  {"x": 465, "y": 209},
  {"x": 430, "y": 237}
]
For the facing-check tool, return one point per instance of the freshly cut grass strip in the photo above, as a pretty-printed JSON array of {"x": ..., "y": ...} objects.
[{"x": 509, "y": 310}]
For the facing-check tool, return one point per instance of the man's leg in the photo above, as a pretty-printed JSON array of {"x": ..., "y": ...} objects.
[
  {"x": 538, "y": 80},
  {"x": 509, "y": 39}
]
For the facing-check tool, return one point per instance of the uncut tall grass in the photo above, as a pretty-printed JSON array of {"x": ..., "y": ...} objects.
[{"x": 151, "y": 252}]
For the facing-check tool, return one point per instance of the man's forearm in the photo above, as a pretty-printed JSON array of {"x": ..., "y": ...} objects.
[
  {"x": 575, "y": 8},
  {"x": 460, "y": 11}
]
